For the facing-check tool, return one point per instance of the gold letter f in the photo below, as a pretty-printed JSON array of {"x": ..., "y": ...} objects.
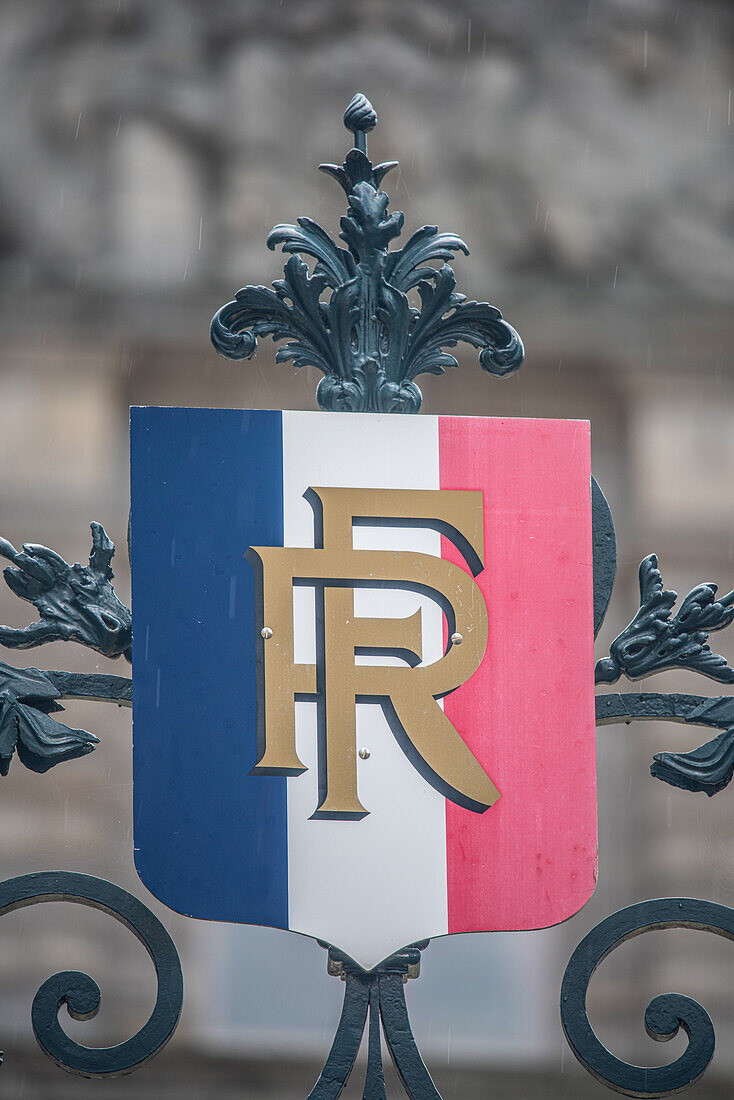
[{"x": 408, "y": 694}]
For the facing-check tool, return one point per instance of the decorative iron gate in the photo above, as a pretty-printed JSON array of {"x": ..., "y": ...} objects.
[{"x": 353, "y": 318}]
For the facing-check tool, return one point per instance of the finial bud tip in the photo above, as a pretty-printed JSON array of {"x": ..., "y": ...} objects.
[{"x": 360, "y": 116}]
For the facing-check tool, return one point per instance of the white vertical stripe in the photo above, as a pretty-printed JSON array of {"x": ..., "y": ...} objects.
[{"x": 374, "y": 885}]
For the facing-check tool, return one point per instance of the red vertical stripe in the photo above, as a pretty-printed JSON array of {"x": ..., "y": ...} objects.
[{"x": 528, "y": 712}]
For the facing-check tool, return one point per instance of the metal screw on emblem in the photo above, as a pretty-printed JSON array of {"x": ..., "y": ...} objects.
[
  {"x": 364, "y": 754},
  {"x": 457, "y": 639},
  {"x": 266, "y": 633}
]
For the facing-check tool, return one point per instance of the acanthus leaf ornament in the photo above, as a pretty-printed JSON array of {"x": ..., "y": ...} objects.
[
  {"x": 655, "y": 640},
  {"x": 75, "y": 602},
  {"x": 351, "y": 318},
  {"x": 39, "y": 740}
]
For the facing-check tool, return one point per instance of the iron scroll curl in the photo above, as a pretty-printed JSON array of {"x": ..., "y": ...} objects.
[
  {"x": 664, "y": 1016},
  {"x": 80, "y": 993}
]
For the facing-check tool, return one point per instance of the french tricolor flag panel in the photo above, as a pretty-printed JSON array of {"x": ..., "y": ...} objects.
[{"x": 212, "y": 840}]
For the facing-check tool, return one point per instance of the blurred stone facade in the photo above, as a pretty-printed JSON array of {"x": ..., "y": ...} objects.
[{"x": 584, "y": 151}]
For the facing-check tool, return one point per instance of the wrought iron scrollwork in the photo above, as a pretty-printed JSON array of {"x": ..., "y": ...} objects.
[
  {"x": 371, "y": 319},
  {"x": 708, "y": 768},
  {"x": 80, "y": 993},
  {"x": 351, "y": 318},
  {"x": 379, "y": 992},
  {"x": 655, "y": 641},
  {"x": 664, "y": 1016},
  {"x": 27, "y": 699},
  {"x": 75, "y": 603}
]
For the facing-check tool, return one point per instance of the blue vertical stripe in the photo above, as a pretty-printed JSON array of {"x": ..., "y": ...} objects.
[{"x": 210, "y": 839}]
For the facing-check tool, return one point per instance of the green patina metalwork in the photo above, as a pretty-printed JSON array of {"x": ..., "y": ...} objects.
[{"x": 351, "y": 317}]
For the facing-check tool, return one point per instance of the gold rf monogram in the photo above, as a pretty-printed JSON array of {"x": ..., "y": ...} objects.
[{"x": 408, "y": 694}]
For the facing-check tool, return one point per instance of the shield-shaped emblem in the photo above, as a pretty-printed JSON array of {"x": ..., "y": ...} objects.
[{"x": 363, "y": 671}]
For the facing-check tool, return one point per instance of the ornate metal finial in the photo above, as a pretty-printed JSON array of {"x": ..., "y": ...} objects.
[
  {"x": 351, "y": 316},
  {"x": 359, "y": 118}
]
